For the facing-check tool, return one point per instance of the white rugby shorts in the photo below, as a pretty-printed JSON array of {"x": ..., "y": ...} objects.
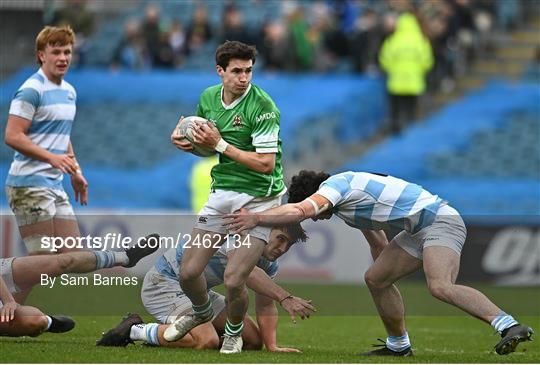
[
  {"x": 36, "y": 204},
  {"x": 223, "y": 202}
]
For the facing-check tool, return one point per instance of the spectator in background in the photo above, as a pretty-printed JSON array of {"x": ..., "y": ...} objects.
[
  {"x": 301, "y": 47},
  {"x": 131, "y": 52},
  {"x": 199, "y": 31},
  {"x": 275, "y": 46},
  {"x": 532, "y": 71},
  {"x": 365, "y": 42},
  {"x": 82, "y": 21},
  {"x": 406, "y": 57},
  {"x": 234, "y": 28},
  {"x": 177, "y": 41},
  {"x": 151, "y": 32}
]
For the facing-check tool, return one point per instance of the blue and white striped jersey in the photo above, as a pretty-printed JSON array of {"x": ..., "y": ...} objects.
[
  {"x": 51, "y": 108},
  {"x": 370, "y": 201},
  {"x": 169, "y": 265}
]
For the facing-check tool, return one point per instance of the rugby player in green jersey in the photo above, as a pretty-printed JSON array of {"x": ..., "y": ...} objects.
[{"x": 245, "y": 133}]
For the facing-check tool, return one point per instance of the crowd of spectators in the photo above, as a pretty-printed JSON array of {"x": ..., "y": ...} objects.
[{"x": 321, "y": 35}]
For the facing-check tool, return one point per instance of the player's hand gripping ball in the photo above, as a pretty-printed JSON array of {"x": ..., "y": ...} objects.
[{"x": 185, "y": 127}]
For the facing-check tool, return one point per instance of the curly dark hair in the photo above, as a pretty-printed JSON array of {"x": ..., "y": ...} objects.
[
  {"x": 305, "y": 184},
  {"x": 234, "y": 49}
]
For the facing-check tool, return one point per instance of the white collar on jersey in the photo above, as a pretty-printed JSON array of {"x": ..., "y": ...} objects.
[{"x": 237, "y": 101}]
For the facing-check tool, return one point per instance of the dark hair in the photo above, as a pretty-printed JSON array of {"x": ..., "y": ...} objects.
[
  {"x": 234, "y": 49},
  {"x": 305, "y": 184},
  {"x": 295, "y": 231}
]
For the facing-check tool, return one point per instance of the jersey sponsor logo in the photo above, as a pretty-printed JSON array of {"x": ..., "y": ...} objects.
[
  {"x": 266, "y": 116},
  {"x": 237, "y": 121},
  {"x": 203, "y": 220},
  {"x": 71, "y": 95}
]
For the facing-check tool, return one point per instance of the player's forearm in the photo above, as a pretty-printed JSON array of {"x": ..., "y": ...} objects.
[
  {"x": 71, "y": 151},
  {"x": 262, "y": 284},
  {"x": 22, "y": 144},
  {"x": 252, "y": 160},
  {"x": 267, "y": 319},
  {"x": 284, "y": 214}
]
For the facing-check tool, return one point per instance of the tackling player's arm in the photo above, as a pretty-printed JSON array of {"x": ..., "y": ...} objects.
[
  {"x": 284, "y": 214},
  {"x": 16, "y": 137},
  {"x": 7, "y": 312},
  {"x": 377, "y": 241},
  {"x": 208, "y": 136}
]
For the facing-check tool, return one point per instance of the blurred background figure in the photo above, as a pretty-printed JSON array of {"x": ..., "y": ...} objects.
[
  {"x": 201, "y": 182},
  {"x": 233, "y": 27},
  {"x": 199, "y": 31},
  {"x": 406, "y": 57},
  {"x": 132, "y": 51},
  {"x": 532, "y": 71},
  {"x": 76, "y": 14}
]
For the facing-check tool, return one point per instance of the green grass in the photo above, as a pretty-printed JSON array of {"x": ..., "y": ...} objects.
[{"x": 346, "y": 323}]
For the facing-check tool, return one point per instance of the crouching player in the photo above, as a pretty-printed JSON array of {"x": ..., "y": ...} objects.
[
  {"x": 162, "y": 297},
  {"x": 17, "y": 274}
]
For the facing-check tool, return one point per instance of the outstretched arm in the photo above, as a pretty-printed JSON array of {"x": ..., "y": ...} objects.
[
  {"x": 284, "y": 214},
  {"x": 263, "y": 285},
  {"x": 267, "y": 319}
]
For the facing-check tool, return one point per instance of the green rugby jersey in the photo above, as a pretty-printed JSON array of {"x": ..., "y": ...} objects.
[{"x": 250, "y": 123}]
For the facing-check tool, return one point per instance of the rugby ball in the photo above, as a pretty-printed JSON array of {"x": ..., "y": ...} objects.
[{"x": 186, "y": 127}]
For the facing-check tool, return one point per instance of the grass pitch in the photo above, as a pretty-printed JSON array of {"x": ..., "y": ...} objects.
[{"x": 346, "y": 323}]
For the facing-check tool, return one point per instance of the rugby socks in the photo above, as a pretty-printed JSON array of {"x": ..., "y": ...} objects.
[
  {"x": 398, "y": 343},
  {"x": 106, "y": 259},
  {"x": 204, "y": 310},
  {"x": 145, "y": 332},
  {"x": 49, "y": 322},
  {"x": 233, "y": 329},
  {"x": 503, "y": 321}
]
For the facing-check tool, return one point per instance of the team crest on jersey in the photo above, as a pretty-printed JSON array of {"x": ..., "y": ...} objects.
[{"x": 237, "y": 121}]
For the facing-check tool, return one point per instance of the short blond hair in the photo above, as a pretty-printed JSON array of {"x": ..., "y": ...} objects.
[{"x": 54, "y": 36}]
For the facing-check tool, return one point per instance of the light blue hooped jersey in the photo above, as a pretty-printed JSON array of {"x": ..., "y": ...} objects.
[
  {"x": 370, "y": 201},
  {"x": 51, "y": 109}
]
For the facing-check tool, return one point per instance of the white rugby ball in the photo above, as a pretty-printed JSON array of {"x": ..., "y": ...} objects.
[{"x": 185, "y": 127}]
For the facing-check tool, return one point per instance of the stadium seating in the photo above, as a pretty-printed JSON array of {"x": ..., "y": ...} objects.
[
  {"x": 481, "y": 153},
  {"x": 124, "y": 120}
]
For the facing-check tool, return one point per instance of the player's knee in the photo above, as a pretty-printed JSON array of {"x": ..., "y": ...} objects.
[
  {"x": 190, "y": 272},
  {"x": 234, "y": 282},
  {"x": 210, "y": 342},
  {"x": 33, "y": 325},
  {"x": 374, "y": 282},
  {"x": 439, "y": 289}
]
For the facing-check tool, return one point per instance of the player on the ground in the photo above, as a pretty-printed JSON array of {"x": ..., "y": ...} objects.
[
  {"x": 162, "y": 297},
  {"x": 39, "y": 125},
  {"x": 18, "y": 274},
  {"x": 249, "y": 174},
  {"x": 431, "y": 236}
]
